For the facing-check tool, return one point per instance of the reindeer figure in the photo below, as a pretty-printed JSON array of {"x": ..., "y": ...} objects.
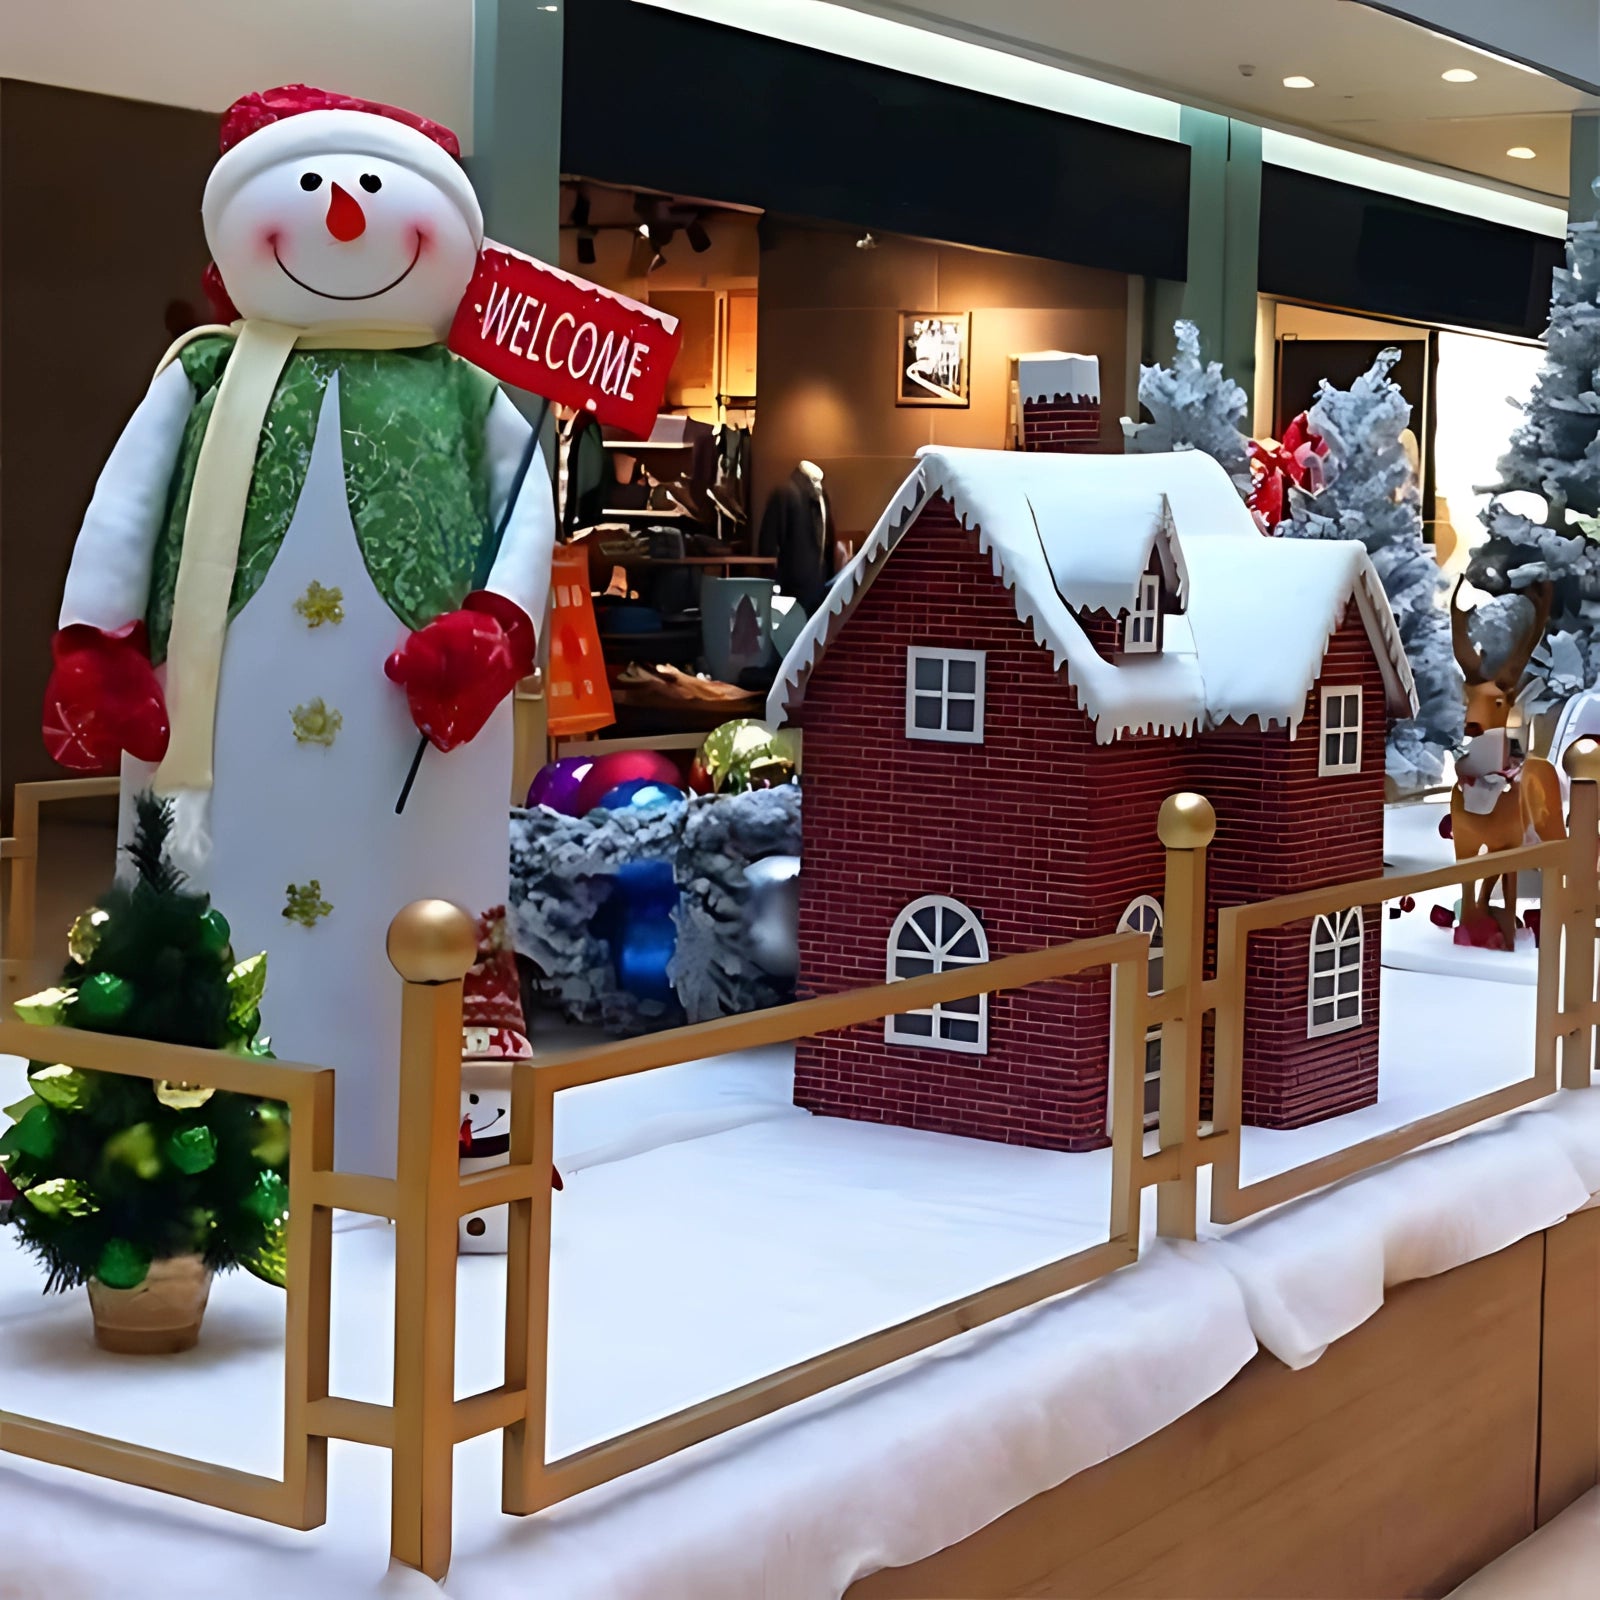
[{"x": 1501, "y": 801}]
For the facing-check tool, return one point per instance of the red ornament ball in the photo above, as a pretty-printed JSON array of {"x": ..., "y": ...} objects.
[{"x": 624, "y": 766}]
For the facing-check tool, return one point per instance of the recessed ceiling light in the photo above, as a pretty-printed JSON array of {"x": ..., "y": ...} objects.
[
  {"x": 1459, "y": 75},
  {"x": 1297, "y": 81},
  {"x": 1520, "y": 152}
]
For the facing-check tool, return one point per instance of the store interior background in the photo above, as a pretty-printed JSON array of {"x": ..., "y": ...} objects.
[{"x": 791, "y": 318}]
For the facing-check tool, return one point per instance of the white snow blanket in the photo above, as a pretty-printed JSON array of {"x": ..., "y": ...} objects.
[{"x": 710, "y": 1232}]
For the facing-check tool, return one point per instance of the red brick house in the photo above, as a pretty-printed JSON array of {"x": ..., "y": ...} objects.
[{"x": 1029, "y": 653}]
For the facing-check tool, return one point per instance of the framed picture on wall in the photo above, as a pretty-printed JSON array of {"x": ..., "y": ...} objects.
[{"x": 935, "y": 365}]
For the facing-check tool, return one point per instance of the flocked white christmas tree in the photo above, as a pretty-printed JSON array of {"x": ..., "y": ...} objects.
[
  {"x": 1553, "y": 466},
  {"x": 1371, "y": 495},
  {"x": 1194, "y": 406}
]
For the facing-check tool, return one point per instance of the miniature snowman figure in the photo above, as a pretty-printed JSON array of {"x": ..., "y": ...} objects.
[
  {"x": 493, "y": 1036},
  {"x": 291, "y": 554},
  {"x": 485, "y": 1143}
]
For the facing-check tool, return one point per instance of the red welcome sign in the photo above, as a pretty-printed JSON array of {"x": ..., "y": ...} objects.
[{"x": 543, "y": 330}]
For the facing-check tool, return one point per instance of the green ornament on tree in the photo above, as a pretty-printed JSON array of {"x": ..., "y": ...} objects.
[
  {"x": 83, "y": 937},
  {"x": 61, "y": 1197},
  {"x": 271, "y": 1143},
  {"x": 135, "y": 1148},
  {"x": 270, "y": 1262},
  {"x": 35, "y": 1136},
  {"x": 192, "y": 1150},
  {"x": 63, "y": 1087},
  {"x": 215, "y": 934},
  {"x": 48, "y": 1008},
  {"x": 103, "y": 1000},
  {"x": 268, "y": 1200},
  {"x": 246, "y": 985},
  {"x": 122, "y": 1265}
]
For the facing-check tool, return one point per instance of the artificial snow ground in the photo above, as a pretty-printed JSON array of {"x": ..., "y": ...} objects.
[{"x": 709, "y": 1233}]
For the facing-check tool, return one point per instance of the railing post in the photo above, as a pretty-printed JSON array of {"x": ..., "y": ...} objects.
[
  {"x": 431, "y": 945},
  {"x": 1582, "y": 762},
  {"x": 22, "y": 891},
  {"x": 1187, "y": 826}
]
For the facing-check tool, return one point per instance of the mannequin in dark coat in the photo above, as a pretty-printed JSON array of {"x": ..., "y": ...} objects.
[{"x": 798, "y": 528}]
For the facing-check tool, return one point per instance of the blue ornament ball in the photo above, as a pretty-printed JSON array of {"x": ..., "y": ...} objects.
[{"x": 640, "y": 794}]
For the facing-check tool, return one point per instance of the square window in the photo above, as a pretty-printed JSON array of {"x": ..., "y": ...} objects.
[{"x": 944, "y": 695}]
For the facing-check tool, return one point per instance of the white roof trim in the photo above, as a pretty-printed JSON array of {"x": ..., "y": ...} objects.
[{"x": 1261, "y": 612}]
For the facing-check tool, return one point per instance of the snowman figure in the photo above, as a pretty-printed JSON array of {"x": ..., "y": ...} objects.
[{"x": 288, "y": 571}]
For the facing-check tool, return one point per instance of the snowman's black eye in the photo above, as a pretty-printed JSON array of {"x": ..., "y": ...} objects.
[
  {"x": 472, "y": 1099},
  {"x": 371, "y": 182},
  {"x": 310, "y": 180}
]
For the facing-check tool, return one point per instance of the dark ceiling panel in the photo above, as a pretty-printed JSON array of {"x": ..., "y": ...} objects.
[{"x": 669, "y": 102}]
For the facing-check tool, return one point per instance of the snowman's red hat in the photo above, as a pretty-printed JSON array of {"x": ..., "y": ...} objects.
[{"x": 298, "y": 122}]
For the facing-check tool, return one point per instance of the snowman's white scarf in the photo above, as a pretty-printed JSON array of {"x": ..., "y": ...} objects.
[{"x": 211, "y": 533}]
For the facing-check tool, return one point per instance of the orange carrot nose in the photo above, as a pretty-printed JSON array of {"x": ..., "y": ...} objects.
[{"x": 346, "y": 219}]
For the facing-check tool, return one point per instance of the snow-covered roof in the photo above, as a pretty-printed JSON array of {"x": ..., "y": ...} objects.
[
  {"x": 1260, "y": 612},
  {"x": 1097, "y": 549},
  {"x": 1053, "y": 374}
]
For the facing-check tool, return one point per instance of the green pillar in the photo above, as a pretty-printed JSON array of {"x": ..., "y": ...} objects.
[
  {"x": 1219, "y": 295},
  {"x": 1585, "y": 165},
  {"x": 515, "y": 163}
]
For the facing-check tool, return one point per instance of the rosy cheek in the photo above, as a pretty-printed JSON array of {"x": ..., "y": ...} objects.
[
  {"x": 424, "y": 233},
  {"x": 268, "y": 240}
]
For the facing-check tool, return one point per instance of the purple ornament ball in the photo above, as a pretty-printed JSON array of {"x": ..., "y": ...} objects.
[{"x": 557, "y": 785}]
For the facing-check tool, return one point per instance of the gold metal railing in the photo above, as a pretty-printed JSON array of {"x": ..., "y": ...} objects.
[{"x": 432, "y": 945}]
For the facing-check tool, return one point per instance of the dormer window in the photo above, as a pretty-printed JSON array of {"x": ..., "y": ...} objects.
[{"x": 1141, "y": 632}]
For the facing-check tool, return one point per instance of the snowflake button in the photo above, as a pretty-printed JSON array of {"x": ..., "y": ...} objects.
[
  {"x": 318, "y": 605},
  {"x": 316, "y": 723},
  {"x": 305, "y": 904}
]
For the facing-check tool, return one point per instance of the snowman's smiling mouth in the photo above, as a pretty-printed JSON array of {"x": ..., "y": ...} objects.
[{"x": 416, "y": 256}]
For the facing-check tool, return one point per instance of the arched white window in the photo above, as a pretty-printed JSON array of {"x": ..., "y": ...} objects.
[
  {"x": 934, "y": 934},
  {"x": 1334, "y": 1000},
  {"x": 1144, "y": 915}
]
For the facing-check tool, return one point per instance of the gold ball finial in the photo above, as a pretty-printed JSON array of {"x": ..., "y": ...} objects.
[
  {"x": 432, "y": 941},
  {"x": 1582, "y": 760},
  {"x": 1187, "y": 822}
]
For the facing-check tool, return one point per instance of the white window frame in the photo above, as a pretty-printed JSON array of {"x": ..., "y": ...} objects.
[
  {"x": 1335, "y": 703},
  {"x": 944, "y": 734},
  {"x": 1137, "y": 919},
  {"x": 1141, "y": 628},
  {"x": 937, "y": 950},
  {"x": 1341, "y": 935}
]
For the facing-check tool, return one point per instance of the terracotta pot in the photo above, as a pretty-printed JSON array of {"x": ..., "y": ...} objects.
[{"x": 160, "y": 1317}]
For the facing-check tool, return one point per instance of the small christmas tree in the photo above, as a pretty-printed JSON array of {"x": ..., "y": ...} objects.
[
  {"x": 1371, "y": 495},
  {"x": 114, "y": 1173},
  {"x": 1193, "y": 407},
  {"x": 1555, "y": 456}
]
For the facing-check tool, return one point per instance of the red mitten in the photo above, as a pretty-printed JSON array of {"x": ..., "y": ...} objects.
[
  {"x": 458, "y": 668},
  {"x": 103, "y": 698}
]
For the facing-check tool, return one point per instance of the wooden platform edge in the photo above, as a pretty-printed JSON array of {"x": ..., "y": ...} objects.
[{"x": 1419, "y": 1448}]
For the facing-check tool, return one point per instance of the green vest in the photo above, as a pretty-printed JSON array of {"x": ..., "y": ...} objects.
[{"x": 415, "y": 473}]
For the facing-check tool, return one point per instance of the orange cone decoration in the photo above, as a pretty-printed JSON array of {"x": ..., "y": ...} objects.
[{"x": 577, "y": 693}]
